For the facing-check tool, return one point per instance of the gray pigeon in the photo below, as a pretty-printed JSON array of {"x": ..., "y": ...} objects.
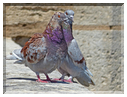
[
  {"x": 74, "y": 55},
  {"x": 44, "y": 51}
]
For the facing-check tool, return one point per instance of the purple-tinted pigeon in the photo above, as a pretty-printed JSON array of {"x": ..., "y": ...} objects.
[
  {"x": 74, "y": 54},
  {"x": 44, "y": 51}
]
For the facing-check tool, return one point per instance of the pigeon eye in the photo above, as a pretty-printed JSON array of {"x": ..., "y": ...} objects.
[
  {"x": 58, "y": 16},
  {"x": 66, "y": 13}
]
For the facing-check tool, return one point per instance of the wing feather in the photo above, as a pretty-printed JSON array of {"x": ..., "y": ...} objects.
[
  {"x": 75, "y": 53},
  {"x": 77, "y": 56},
  {"x": 35, "y": 49}
]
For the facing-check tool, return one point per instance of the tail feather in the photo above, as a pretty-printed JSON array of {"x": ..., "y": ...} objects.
[
  {"x": 81, "y": 75},
  {"x": 92, "y": 82},
  {"x": 85, "y": 79},
  {"x": 19, "y": 62},
  {"x": 88, "y": 72},
  {"x": 11, "y": 57},
  {"x": 15, "y": 55}
]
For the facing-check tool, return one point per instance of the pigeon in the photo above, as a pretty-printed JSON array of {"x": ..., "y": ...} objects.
[
  {"x": 76, "y": 57},
  {"x": 44, "y": 52}
]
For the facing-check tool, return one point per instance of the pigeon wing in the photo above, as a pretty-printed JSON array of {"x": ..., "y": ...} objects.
[
  {"x": 34, "y": 49},
  {"x": 77, "y": 56}
]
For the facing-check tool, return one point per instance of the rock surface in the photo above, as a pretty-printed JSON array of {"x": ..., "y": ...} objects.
[{"x": 98, "y": 31}]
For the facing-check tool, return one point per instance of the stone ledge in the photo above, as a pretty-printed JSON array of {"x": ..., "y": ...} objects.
[{"x": 31, "y": 28}]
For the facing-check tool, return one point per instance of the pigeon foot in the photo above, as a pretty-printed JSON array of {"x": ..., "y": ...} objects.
[
  {"x": 42, "y": 81},
  {"x": 64, "y": 80},
  {"x": 69, "y": 80}
]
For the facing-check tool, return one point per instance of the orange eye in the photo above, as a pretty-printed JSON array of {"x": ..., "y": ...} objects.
[
  {"x": 58, "y": 16},
  {"x": 66, "y": 13}
]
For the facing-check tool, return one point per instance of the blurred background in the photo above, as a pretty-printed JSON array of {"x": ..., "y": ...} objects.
[{"x": 97, "y": 29}]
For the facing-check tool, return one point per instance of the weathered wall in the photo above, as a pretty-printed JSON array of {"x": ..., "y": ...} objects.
[
  {"x": 26, "y": 20},
  {"x": 97, "y": 30}
]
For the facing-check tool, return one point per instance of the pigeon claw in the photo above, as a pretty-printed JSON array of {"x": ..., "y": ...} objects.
[
  {"x": 68, "y": 81},
  {"x": 63, "y": 80},
  {"x": 42, "y": 81}
]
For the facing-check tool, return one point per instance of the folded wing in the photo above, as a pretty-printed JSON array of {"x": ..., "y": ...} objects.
[
  {"x": 34, "y": 49},
  {"x": 77, "y": 56}
]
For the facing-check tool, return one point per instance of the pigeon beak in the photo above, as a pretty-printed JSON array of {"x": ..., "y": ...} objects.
[
  {"x": 71, "y": 17},
  {"x": 88, "y": 72}
]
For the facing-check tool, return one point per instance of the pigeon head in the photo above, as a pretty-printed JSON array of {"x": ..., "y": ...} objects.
[
  {"x": 67, "y": 26},
  {"x": 69, "y": 14},
  {"x": 53, "y": 31},
  {"x": 60, "y": 17}
]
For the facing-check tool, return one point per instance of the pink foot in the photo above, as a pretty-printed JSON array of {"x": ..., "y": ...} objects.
[
  {"x": 42, "y": 81},
  {"x": 48, "y": 80},
  {"x": 57, "y": 79},
  {"x": 69, "y": 80},
  {"x": 64, "y": 80}
]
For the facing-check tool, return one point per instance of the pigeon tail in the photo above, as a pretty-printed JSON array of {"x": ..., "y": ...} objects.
[
  {"x": 88, "y": 72},
  {"x": 92, "y": 82},
  {"x": 15, "y": 55},
  {"x": 85, "y": 79}
]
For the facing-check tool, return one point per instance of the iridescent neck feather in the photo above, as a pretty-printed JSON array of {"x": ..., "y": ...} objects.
[
  {"x": 67, "y": 31},
  {"x": 53, "y": 31}
]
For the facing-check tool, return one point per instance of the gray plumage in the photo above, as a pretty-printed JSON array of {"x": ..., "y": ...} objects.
[{"x": 76, "y": 66}]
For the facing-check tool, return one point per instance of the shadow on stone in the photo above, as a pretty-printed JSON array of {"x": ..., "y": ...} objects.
[
  {"x": 18, "y": 78},
  {"x": 21, "y": 40},
  {"x": 32, "y": 79}
]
